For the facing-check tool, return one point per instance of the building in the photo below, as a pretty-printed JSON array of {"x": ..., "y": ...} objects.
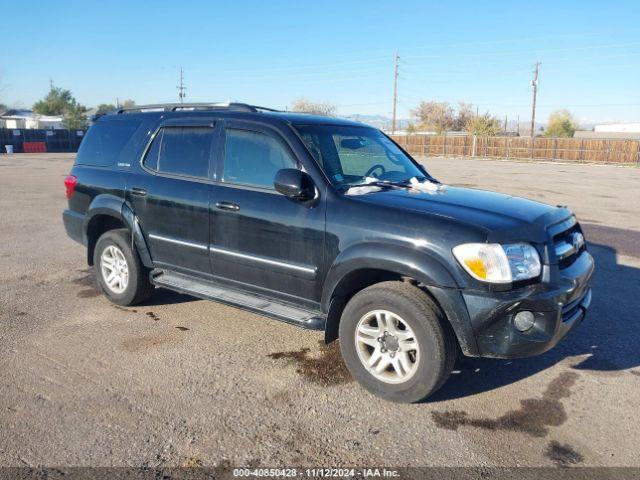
[
  {"x": 19, "y": 119},
  {"x": 611, "y": 131},
  {"x": 618, "y": 128}
]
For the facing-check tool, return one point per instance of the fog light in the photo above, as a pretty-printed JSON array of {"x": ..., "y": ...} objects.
[{"x": 523, "y": 321}]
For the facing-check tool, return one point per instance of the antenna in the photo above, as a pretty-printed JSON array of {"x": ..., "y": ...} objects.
[{"x": 181, "y": 88}]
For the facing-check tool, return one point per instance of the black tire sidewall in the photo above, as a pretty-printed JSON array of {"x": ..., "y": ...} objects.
[
  {"x": 429, "y": 334},
  {"x": 118, "y": 239}
]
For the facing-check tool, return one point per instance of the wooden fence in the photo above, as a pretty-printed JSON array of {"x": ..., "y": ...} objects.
[{"x": 619, "y": 152}]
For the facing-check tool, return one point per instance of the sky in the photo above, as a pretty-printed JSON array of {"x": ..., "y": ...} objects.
[{"x": 271, "y": 52}]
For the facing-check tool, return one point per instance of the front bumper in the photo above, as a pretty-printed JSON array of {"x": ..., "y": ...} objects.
[{"x": 559, "y": 304}]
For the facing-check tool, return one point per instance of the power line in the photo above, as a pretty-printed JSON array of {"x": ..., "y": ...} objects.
[
  {"x": 285, "y": 68},
  {"x": 521, "y": 53},
  {"x": 512, "y": 40}
]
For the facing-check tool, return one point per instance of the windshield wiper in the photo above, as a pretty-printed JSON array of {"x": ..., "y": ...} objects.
[
  {"x": 377, "y": 183},
  {"x": 389, "y": 184}
]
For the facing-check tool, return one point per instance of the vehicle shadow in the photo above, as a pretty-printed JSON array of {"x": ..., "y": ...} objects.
[
  {"x": 607, "y": 338},
  {"x": 162, "y": 296}
]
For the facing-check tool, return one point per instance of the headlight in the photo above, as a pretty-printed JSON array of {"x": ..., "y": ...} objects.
[{"x": 495, "y": 263}]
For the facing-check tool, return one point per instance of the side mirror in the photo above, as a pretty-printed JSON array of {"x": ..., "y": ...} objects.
[{"x": 295, "y": 184}]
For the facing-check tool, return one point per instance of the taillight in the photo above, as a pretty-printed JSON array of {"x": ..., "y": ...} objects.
[{"x": 70, "y": 184}]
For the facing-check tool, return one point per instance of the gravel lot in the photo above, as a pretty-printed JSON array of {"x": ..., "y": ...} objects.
[{"x": 181, "y": 381}]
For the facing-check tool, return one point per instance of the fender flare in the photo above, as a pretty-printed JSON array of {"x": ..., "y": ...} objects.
[
  {"x": 117, "y": 208},
  {"x": 420, "y": 265}
]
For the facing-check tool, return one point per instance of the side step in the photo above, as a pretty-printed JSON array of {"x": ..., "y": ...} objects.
[{"x": 310, "y": 319}]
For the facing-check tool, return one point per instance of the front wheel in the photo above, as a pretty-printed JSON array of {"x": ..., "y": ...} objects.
[
  {"x": 121, "y": 276},
  {"x": 395, "y": 343}
]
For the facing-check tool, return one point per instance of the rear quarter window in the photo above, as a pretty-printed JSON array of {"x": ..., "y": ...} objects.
[{"x": 104, "y": 141}]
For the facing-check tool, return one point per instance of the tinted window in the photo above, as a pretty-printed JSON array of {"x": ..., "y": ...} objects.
[
  {"x": 353, "y": 155},
  {"x": 253, "y": 158},
  {"x": 151, "y": 159},
  {"x": 186, "y": 151},
  {"x": 104, "y": 141}
]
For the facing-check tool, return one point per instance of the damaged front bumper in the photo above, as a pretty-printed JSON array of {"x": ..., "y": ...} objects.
[{"x": 558, "y": 306}]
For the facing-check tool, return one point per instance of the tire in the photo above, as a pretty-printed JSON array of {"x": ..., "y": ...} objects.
[
  {"x": 116, "y": 244},
  {"x": 407, "y": 313}
]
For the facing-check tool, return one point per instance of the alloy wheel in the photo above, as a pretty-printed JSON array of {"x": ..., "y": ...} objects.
[
  {"x": 387, "y": 346},
  {"x": 114, "y": 268}
]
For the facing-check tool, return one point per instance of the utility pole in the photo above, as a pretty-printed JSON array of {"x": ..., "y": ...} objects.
[
  {"x": 50, "y": 83},
  {"x": 181, "y": 88},
  {"x": 518, "y": 126},
  {"x": 534, "y": 84},
  {"x": 395, "y": 93},
  {"x": 505, "y": 124}
]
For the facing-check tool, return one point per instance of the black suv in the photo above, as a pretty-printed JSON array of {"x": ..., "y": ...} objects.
[{"x": 326, "y": 224}]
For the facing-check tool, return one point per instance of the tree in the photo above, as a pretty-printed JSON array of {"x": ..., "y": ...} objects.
[
  {"x": 128, "y": 103},
  {"x": 484, "y": 126},
  {"x": 60, "y": 102},
  {"x": 74, "y": 118},
  {"x": 411, "y": 128},
  {"x": 436, "y": 116},
  {"x": 57, "y": 102},
  {"x": 561, "y": 124},
  {"x": 464, "y": 116},
  {"x": 104, "y": 108},
  {"x": 318, "y": 108}
]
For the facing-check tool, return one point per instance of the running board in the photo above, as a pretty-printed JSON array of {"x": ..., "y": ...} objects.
[{"x": 310, "y": 319}]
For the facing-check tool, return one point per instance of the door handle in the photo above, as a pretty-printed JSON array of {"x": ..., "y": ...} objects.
[
  {"x": 234, "y": 207},
  {"x": 140, "y": 192}
]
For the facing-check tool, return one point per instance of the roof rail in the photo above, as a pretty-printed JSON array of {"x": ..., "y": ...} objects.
[{"x": 173, "y": 107}]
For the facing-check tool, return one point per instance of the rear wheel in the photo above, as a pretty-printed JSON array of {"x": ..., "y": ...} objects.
[
  {"x": 120, "y": 273},
  {"x": 395, "y": 343}
]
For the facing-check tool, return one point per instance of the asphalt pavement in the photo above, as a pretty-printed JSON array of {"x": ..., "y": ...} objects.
[{"x": 181, "y": 381}]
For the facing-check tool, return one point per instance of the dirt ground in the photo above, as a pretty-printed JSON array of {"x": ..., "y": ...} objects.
[{"x": 181, "y": 381}]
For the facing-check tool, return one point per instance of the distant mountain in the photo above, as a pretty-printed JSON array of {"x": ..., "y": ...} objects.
[{"x": 379, "y": 121}]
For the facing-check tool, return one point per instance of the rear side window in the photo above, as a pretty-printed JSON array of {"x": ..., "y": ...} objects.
[
  {"x": 253, "y": 158},
  {"x": 181, "y": 151},
  {"x": 151, "y": 158},
  {"x": 104, "y": 141}
]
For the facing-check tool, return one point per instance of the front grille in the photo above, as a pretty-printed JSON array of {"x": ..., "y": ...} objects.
[{"x": 568, "y": 245}]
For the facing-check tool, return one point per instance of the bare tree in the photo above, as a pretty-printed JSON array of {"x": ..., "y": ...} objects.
[
  {"x": 465, "y": 115},
  {"x": 3, "y": 107},
  {"x": 435, "y": 116},
  {"x": 318, "y": 108}
]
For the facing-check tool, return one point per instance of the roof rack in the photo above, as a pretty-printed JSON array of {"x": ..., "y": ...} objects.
[{"x": 173, "y": 107}]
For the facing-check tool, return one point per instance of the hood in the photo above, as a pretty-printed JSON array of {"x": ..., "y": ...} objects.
[{"x": 490, "y": 210}]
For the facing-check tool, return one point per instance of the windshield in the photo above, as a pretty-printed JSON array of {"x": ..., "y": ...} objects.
[{"x": 357, "y": 155}]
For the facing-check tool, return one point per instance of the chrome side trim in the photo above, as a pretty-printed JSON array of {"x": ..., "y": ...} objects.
[
  {"x": 199, "y": 246},
  {"x": 264, "y": 260}
]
